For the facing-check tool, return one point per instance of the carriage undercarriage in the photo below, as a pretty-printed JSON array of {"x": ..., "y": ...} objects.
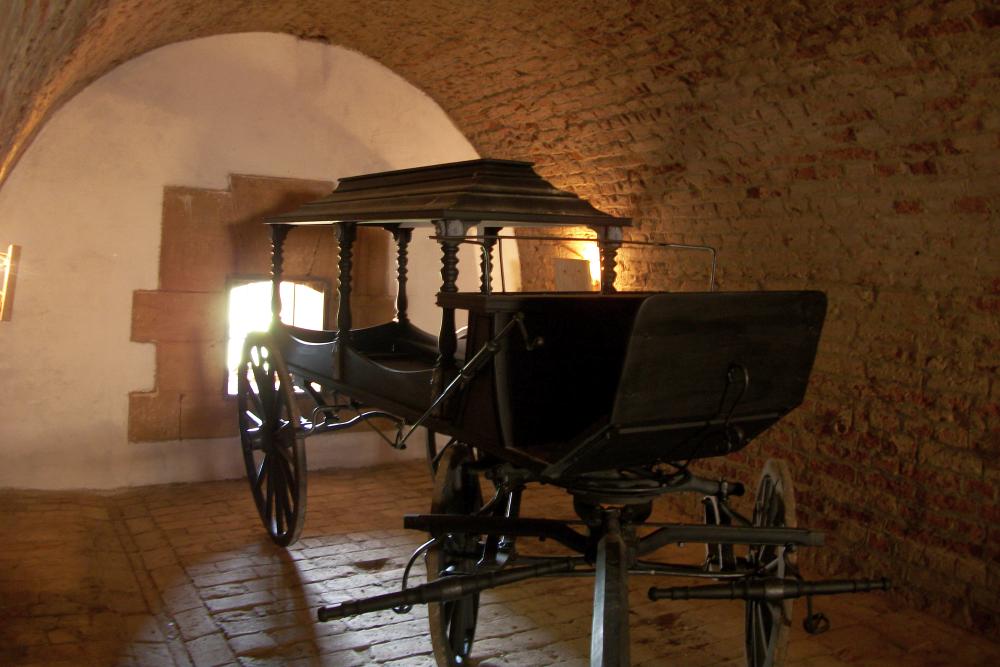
[{"x": 620, "y": 430}]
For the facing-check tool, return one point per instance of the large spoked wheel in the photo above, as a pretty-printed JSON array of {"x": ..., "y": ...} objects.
[
  {"x": 453, "y": 624},
  {"x": 273, "y": 446},
  {"x": 768, "y": 623}
]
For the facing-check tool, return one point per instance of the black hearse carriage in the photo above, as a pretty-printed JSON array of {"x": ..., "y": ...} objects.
[{"x": 607, "y": 395}]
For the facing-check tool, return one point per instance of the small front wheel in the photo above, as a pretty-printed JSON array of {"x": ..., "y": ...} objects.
[
  {"x": 769, "y": 622},
  {"x": 453, "y": 624},
  {"x": 273, "y": 445}
]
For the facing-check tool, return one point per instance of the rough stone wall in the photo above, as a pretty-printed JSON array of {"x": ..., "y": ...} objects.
[{"x": 852, "y": 147}]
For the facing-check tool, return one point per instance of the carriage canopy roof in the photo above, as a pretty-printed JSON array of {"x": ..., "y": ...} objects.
[{"x": 506, "y": 192}]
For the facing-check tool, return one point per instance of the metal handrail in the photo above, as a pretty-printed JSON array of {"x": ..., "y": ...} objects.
[{"x": 481, "y": 240}]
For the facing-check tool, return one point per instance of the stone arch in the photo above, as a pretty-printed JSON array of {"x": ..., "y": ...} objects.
[{"x": 86, "y": 204}]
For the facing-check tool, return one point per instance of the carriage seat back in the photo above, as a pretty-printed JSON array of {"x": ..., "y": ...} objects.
[{"x": 703, "y": 374}]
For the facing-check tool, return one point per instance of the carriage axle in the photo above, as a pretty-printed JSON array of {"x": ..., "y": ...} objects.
[{"x": 560, "y": 531}]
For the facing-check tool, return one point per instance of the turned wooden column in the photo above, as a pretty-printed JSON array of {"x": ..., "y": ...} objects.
[
  {"x": 402, "y": 236},
  {"x": 609, "y": 240},
  {"x": 278, "y": 234},
  {"x": 450, "y": 234},
  {"x": 346, "y": 233},
  {"x": 486, "y": 260}
]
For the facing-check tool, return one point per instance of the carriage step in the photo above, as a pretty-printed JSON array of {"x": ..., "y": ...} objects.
[
  {"x": 447, "y": 588},
  {"x": 769, "y": 589}
]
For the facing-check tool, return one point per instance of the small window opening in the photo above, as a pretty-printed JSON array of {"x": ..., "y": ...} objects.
[{"x": 303, "y": 304}]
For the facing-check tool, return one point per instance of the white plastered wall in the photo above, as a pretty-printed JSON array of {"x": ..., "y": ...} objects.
[{"x": 85, "y": 205}]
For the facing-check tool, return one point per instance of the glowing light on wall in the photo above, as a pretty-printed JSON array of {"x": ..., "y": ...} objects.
[
  {"x": 591, "y": 253},
  {"x": 587, "y": 250}
]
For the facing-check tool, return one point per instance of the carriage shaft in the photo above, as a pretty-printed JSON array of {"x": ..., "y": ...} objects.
[
  {"x": 769, "y": 589},
  {"x": 448, "y": 588}
]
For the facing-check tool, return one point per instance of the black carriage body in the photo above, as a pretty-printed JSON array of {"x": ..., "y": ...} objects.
[{"x": 632, "y": 379}]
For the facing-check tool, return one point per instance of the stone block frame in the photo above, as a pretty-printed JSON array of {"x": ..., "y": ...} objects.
[{"x": 209, "y": 236}]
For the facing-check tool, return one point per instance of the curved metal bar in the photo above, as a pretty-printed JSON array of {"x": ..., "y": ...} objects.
[
  {"x": 325, "y": 426},
  {"x": 406, "y": 608}
]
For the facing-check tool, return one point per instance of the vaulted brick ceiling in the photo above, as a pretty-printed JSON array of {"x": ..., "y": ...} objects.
[
  {"x": 522, "y": 78},
  {"x": 482, "y": 62}
]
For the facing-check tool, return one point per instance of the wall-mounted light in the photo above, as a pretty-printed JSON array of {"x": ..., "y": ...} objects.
[{"x": 8, "y": 268}]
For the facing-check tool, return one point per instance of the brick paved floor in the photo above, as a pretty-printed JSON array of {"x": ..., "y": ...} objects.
[{"x": 182, "y": 575}]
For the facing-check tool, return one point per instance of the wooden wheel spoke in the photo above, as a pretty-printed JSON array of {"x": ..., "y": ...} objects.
[
  {"x": 264, "y": 391},
  {"x": 276, "y": 397},
  {"x": 774, "y": 512},
  {"x": 287, "y": 493},
  {"x": 261, "y": 474},
  {"x": 269, "y": 504},
  {"x": 258, "y": 405},
  {"x": 762, "y": 634},
  {"x": 288, "y": 475},
  {"x": 455, "y": 626},
  {"x": 290, "y": 507},
  {"x": 466, "y": 622},
  {"x": 251, "y": 420},
  {"x": 281, "y": 510},
  {"x": 284, "y": 439}
]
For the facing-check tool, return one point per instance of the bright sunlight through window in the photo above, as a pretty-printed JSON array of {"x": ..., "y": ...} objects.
[{"x": 302, "y": 305}]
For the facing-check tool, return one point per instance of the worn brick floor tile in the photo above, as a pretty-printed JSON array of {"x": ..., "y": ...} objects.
[
  {"x": 210, "y": 651},
  {"x": 258, "y": 643},
  {"x": 401, "y": 648},
  {"x": 242, "y": 601},
  {"x": 142, "y": 628},
  {"x": 339, "y": 659},
  {"x": 180, "y": 598},
  {"x": 145, "y": 577},
  {"x": 194, "y": 623},
  {"x": 151, "y": 654},
  {"x": 412, "y": 661}
]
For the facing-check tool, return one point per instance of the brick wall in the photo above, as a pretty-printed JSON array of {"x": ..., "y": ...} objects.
[
  {"x": 855, "y": 152},
  {"x": 847, "y": 146}
]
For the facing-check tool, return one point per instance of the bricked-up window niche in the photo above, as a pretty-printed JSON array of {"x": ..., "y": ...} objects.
[
  {"x": 208, "y": 237},
  {"x": 303, "y": 304}
]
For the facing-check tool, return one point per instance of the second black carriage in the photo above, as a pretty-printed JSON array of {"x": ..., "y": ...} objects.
[{"x": 608, "y": 395}]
